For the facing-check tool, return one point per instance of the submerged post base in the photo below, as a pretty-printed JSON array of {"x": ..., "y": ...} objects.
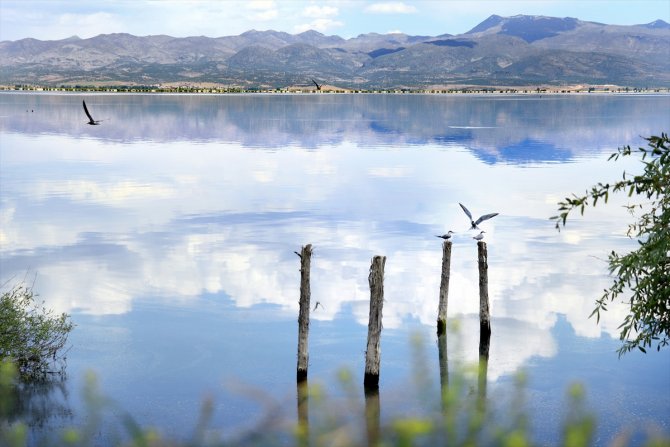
[
  {"x": 371, "y": 382},
  {"x": 441, "y": 327}
]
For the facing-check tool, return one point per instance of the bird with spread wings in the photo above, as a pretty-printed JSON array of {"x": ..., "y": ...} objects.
[{"x": 474, "y": 223}]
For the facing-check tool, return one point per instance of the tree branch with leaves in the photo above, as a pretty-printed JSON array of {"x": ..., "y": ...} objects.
[
  {"x": 32, "y": 337},
  {"x": 642, "y": 276}
]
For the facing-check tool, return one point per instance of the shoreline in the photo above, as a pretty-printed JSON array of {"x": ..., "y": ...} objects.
[{"x": 455, "y": 90}]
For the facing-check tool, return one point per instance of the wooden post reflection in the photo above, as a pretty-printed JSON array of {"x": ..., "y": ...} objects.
[
  {"x": 372, "y": 416},
  {"x": 303, "y": 414},
  {"x": 444, "y": 288},
  {"x": 482, "y": 378},
  {"x": 303, "y": 316},
  {"x": 444, "y": 367},
  {"x": 484, "y": 324}
]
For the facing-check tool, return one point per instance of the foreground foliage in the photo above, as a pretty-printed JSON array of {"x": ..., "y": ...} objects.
[
  {"x": 463, "y": 419},
  {"x": 643, "y": 275},
  {"x": 31, "y": 336}
]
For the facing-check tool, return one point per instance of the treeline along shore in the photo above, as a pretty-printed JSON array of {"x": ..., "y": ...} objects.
[{"x": 329, "y": 89}]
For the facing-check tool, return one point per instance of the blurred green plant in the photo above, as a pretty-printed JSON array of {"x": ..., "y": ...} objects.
[
  {"x": 643, "y": 273},
  {"x": 11, "y": 434},
  {"x": 579, "y": 425},
  {"x": 32, "y": 337},
  {"x": 460, "y": 421}
]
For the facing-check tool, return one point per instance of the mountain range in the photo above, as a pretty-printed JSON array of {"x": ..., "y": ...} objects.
[{"x": 501, "y": 51}]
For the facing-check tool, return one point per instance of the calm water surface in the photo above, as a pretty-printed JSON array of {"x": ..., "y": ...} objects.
[{"x": 168, "y": 233}]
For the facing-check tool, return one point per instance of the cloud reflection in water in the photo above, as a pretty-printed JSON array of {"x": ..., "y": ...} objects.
[{"x": 175, "y": 197}]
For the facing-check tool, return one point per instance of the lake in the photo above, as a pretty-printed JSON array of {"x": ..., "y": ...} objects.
[{"x": 168, "y": 233}]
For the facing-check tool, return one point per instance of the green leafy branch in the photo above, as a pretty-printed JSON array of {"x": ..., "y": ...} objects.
[{"x": 643, "y": 273}]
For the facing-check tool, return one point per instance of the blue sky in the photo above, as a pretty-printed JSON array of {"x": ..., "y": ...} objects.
[{"x": 56, "y": 19}]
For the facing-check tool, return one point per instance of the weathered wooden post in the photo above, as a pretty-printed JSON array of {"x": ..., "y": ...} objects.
[
  {"x": 373, "y": 352},
  {"x": 303, "y": 317},
  {"x": 444, "y": 288},
  {"x": 303, "y": 414},
  {"x": 484, "y": 314}
]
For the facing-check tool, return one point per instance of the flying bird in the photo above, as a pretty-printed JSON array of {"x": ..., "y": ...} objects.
[
  {"x": 318, "y": 303},
  {"x": 474, "y": 223},
  {"x": 318, "y": 87},
  {"x": 91, "y": 121},
  {"x": 445, "y": 236},
  {"x": 480, "y": 236}
]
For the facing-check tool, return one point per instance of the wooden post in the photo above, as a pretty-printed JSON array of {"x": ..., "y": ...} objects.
[
  {"x": 373, "y": 352},
  {"x": 444, "y": 367},
  {"x": 444, "y": 289},
  {"x": 303, "y": 317},
  {"x": 484, "y": 314}
]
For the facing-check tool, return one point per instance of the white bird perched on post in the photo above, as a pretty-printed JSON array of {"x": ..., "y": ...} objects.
[
  {"x": 480, "y": 236},
  {"x": 474, "y": 223},
  {"x": 445, "y": 236}
]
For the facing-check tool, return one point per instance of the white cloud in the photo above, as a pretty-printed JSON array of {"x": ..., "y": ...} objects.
[
  {"x": 390, "y": 8},
  {"x": 320, "y": 11},
  {"x": 86, "y": 25},
  {"x": 322, "y": 19},
  {"x": 263, "y": 9},
  {"x": 257, "y": 5},
  {"x": 320, "y": 25},
  {"x": 267, "y": 15}
]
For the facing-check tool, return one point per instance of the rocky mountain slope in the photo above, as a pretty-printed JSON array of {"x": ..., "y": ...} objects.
[{"x": 519, "y": 50}]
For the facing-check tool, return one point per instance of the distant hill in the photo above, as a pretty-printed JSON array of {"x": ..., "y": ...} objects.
[
  {"x": 528, "y": 28},
  {"x": 518, "y": 50}
]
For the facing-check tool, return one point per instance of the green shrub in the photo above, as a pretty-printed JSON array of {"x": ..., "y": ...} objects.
[{"x": 31, "y": 336}]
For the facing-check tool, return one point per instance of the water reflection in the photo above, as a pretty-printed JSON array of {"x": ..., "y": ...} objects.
[
  {"x": 40, "y": 406},
  {"x": 372, "y": 417},
  {"x": 138, "y": 222},
  {"x": 512, "y": 129},
  {"x": 483, "y": 368},
  {"x": 167, "y": 202}
]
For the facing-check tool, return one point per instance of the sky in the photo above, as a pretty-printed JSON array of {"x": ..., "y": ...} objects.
[{"x": 59, "y": 19}]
